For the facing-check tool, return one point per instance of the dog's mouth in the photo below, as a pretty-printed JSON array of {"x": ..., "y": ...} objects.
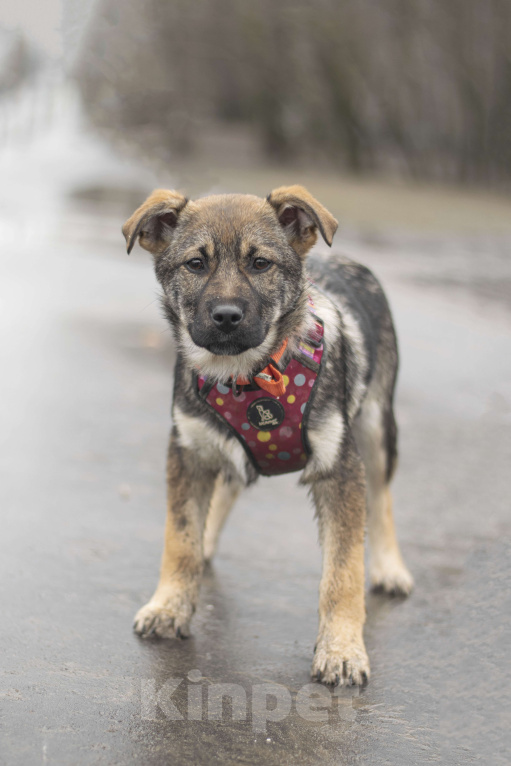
[
  {"x": 226, "y": 358},
  {"x": 227, "y": 348},
  {"x": 232, "y": 344}
]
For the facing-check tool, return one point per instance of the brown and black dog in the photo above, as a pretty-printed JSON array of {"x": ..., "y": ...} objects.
[{"x": 236, "y": 284}]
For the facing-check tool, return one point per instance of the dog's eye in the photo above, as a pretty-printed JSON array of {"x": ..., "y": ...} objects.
[
  {"x": 195, "y": 264},
  {"x": 261, "y": 264}
]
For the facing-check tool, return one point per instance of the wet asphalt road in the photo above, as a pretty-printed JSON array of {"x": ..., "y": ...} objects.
[{"x": 86, "y": 381}]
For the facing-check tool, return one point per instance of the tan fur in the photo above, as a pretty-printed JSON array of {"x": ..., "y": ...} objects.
[
  {"x": 340, "y": 654},
  {"x": 387, "y": 570},
  {"x": 298, "y": 196},
  {"x": 223, "y": 499},
  {"x": 161, "y": 201},
  {"x": 170, "y": 610},
  {"x": 171, "y": 607}
]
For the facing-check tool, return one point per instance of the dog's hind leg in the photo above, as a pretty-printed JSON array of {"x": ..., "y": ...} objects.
[
  {"x": 387, "y": 569},
  {"x": 224, "y": 496},
  {"x": 375, "y": 433}
]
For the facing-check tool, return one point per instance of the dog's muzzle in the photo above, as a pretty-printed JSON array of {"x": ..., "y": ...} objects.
[{"x": 227, "y": 328}]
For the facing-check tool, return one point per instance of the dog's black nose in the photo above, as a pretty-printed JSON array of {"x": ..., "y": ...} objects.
[{"x": 227, "y": 317}]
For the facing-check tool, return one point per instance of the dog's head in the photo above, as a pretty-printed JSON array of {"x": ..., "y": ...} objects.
[{"x": 231, "y": 267}]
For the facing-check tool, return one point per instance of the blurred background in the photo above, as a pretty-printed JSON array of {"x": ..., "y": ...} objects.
[
  {"x": 396, "y": 114},
  {"x": 416, "y": 89}
]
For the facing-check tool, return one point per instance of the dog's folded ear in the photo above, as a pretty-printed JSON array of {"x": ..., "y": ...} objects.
[
  {"x": 300, "y": 216},
  {"x": 154, "y": 221}
]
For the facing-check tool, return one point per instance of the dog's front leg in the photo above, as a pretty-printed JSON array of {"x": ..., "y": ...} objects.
[
  {"x": 340, "y": 656},
  {"x": 189, "y": 486}
]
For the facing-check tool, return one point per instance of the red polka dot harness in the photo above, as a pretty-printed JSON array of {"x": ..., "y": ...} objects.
[{"x": 271, "y": 429}]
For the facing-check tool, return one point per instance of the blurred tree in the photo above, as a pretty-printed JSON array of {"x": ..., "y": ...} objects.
[{"x": 420, "y": 87}]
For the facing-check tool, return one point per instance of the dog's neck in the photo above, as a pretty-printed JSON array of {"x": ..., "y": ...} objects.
[{"x": 293, "y": 326}]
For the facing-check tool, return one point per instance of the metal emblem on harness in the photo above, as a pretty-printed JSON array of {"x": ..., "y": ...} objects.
[{"x": 265, "y": 414}]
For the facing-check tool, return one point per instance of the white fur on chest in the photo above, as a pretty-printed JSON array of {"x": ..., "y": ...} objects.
[{"x": 209, "y": 444}]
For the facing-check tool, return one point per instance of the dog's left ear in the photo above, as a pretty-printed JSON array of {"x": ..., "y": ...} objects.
[
  {"x": 300, "y": 215},
  {"x": 154, "y": 221}
]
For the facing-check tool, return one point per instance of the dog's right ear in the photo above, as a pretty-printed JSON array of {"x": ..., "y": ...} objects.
[{"x": 154, "y": 221}]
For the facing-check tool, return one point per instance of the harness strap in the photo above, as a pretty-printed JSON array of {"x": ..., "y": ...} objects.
[{"x": 270, "y": 379}]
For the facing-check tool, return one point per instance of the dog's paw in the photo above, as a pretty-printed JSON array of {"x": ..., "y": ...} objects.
[
  {"x": 391, "y": 576},
  {"x": 169, "y": 619},
  {"x": 340, "y": 664}
]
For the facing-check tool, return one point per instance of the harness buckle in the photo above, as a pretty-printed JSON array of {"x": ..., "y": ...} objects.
[{"x": 236, "y": 390}]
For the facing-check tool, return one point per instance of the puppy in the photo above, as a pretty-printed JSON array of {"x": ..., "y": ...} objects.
[{"x": 248, "y": 310}]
